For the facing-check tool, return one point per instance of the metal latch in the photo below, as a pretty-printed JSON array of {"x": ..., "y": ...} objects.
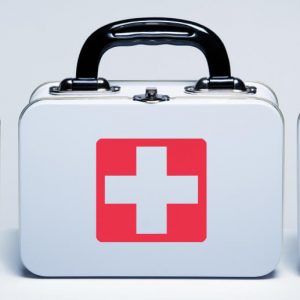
[{"x": 151, "y": 96}]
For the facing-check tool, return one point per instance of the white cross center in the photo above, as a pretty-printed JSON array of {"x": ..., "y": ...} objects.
[{"x": 151, "y": 190}]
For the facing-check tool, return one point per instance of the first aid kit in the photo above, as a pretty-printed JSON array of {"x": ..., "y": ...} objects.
[{"x": 151, "y": 178}]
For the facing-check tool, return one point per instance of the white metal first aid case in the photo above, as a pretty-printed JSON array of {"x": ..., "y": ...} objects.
[{"x": 151, "y": 178}]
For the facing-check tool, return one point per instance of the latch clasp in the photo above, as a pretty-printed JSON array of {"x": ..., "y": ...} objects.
[{"x": 151, "y": 96}]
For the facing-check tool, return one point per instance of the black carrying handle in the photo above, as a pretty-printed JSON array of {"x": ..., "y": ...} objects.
[{"x": 152, "y": 31}]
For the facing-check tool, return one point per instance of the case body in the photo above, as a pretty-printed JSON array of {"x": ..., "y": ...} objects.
[{"x": 240, "y": 140}]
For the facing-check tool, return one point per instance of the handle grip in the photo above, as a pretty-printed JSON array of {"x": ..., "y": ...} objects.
[{"x": 152, "y": 31}]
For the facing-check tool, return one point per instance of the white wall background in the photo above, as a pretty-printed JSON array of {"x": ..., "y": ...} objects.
[{"x": 40, "y": 41}]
